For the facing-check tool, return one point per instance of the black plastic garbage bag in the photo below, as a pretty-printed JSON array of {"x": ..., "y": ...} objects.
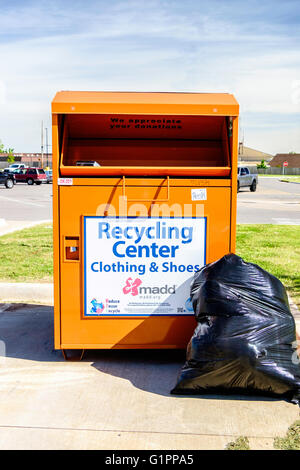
[{"x": 245, "y": 340}]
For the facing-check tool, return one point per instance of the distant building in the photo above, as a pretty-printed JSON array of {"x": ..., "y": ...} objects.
[
  {"x": 293, "y": 160},
  {"x": 252, "y": 156},
  {"x": 30, "y": 159}
]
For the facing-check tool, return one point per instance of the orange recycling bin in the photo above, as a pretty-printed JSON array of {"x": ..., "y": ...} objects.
[{"x": 144, "y": 194}]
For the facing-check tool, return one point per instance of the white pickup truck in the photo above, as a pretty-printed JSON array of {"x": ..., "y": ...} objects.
[
  {"x": 16, "y": 166},
  {"x": 247, "y": 177}
]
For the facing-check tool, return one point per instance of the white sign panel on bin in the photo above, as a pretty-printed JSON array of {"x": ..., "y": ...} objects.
[{"x": 141, "y": 266}]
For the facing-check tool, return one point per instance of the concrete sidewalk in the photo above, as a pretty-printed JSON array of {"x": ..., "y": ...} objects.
[{"x": 114, "y": 399}]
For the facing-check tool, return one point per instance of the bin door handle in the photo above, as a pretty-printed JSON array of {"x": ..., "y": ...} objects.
[
  {"x": 71, "y": 248},
  {"x": 150, "y": 199}
]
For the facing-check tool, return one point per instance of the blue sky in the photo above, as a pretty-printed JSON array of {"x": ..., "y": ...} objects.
[{"x": 250, "y": 49}]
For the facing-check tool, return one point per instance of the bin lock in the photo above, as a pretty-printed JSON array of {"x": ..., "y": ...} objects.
[{"x": 150, "y": 199}]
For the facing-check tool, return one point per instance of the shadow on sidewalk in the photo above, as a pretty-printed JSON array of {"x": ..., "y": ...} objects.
[
  {"x": 27, "y": 332},
  {"x": 153, "y": 371}
]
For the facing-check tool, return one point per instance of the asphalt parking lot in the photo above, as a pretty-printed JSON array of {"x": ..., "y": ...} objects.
[
  {"x": 26, "y": 203},
  {"x": 274, "y": 202}
]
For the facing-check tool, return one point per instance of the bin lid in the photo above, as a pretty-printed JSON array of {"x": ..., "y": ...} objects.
[{"x": 95, "y": 102}]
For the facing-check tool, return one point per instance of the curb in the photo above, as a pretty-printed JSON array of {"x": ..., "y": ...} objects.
[
  {"x": 26, "y": 292},
  {"x": 7, "y": 227},
  {"x": 288, "y": 181}
]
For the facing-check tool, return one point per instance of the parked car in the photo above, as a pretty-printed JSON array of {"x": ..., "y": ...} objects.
[
  {"x": 49, "y": 176},
  {"x": 31, "y": 176},
  {"x": 247, "y": 178},
  {"x": 8, "y": 179},
  {"x": 15, "y": 167}
]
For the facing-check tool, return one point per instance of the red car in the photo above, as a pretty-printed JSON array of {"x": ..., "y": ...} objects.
[{"x": 31, "y": 176}]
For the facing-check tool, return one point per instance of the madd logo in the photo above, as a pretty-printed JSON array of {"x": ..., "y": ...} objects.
[{"x": 133, "y": 287}]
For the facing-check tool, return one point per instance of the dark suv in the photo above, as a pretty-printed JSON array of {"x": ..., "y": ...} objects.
[{"x": 8, "y": 179}]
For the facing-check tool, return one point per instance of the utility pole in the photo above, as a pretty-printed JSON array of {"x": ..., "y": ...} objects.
[
  {"x": 46, "y": 129},
  {"x": 42, "y": 145}
]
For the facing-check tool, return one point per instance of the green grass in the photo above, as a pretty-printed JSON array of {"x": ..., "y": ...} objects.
[
  {"x": 269, "y": 176},
  {"x": 290, "y": 179},
  {"x": 26, "y": 255},
  {"x": 241, "y": 443},
  {"x": 292, "y": 439},
  {"x": 276, "y": 248}
]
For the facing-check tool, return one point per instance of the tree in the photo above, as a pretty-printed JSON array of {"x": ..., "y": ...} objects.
[
  {"x": 262, "y": 164},
  {"x": 10, "y": 156},
  {"x": 9, "y": 152}
]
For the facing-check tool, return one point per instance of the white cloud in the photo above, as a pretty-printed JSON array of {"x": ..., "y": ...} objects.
[
  {"x": 142, "y": 46},
  {"x": 270, "y": 140},
  {"x": 2, "y": 92}
]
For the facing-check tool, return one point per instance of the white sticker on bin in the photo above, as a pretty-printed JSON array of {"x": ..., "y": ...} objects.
[
  {"x": 199, "y": 194},
  {"x": 65, "y": 181}
]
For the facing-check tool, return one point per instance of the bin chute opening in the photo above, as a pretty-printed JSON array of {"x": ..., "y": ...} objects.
[{"x": 146, "y": 140}]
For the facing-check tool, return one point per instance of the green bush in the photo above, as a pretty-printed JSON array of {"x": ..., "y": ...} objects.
[{"x": 262, "y": 164}]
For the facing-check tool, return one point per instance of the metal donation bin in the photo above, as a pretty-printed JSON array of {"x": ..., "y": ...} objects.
[{"x": 144, "y": 194}]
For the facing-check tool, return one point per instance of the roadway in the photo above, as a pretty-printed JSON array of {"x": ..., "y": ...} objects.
[
  {"x": 274, "y": 202},
  {"x": 26, "y": 203}
]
